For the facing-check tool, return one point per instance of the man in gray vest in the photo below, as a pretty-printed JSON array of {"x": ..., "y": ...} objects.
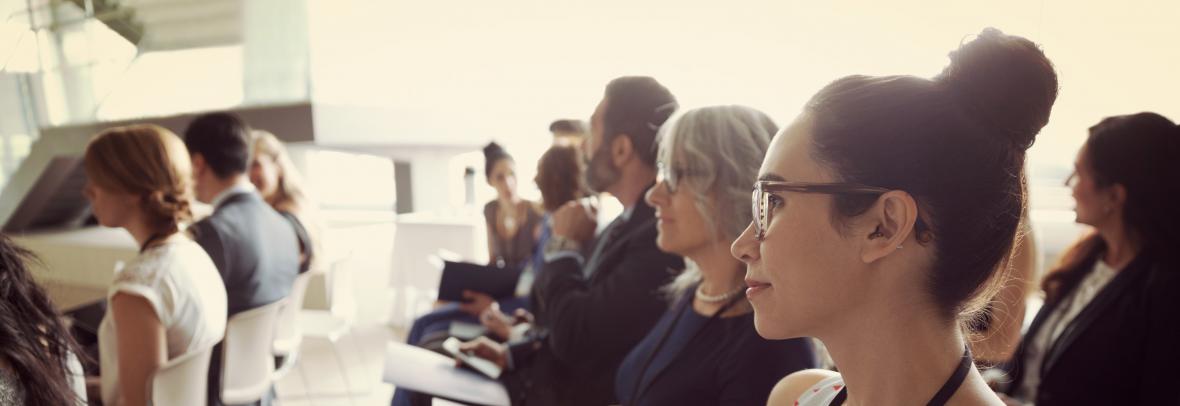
[{"x": 254, "y": 248}]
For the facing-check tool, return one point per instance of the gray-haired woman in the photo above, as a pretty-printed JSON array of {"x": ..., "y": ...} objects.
[{"x": 705, "y": 349}]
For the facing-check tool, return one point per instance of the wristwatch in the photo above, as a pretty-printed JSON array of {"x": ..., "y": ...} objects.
[{"x": 558, "y": 243}]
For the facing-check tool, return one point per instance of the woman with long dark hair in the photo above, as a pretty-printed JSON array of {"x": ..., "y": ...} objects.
[
  {"x": 35, "y": 346},
  {"x": 1109, "y": 332}
]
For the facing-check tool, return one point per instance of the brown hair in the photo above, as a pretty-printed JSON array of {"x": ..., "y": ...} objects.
[
  {"x": 289, "y": 195},
  {"x": 1139, "y": 152},
  {"x": 559, "y": 176},
  {"x": 148, "y": 161},
  {"x": 956, "y": 144}
]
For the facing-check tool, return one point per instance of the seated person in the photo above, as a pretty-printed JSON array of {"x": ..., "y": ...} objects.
[
  {"x": 1109, "y": 329},
  {"x": 559, "y": 176},
  {"x": 704, "y": 350},
  {"x": 590, "y": 312},
  {"x": 279, "y": 183},
  {"x": 512, "y": 222},
  {"x": 36, "y": 349},
  {"x": 168, "y": 301},
  {"x": 254, "y": 248}
]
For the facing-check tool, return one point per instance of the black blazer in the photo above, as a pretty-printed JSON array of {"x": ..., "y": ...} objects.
[
  {"x": 254, "y": 248},
  {"x": 588, "y": 326},
  {"x": 1122, "y": 349}
]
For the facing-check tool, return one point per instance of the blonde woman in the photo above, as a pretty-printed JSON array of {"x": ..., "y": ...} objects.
[
  {"x": 169, "y": 300},
  {"x": 279, "y": 183}
]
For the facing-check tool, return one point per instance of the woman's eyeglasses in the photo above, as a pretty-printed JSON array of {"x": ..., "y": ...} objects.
[
  {"x": 671, "y": 176},
  {"x": 764, "y": 197}
]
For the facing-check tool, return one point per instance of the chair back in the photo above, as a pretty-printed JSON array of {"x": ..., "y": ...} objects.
[{"x": 248, "y": 365}]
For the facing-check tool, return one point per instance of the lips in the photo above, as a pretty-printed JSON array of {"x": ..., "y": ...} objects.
[{"x": 754, "y": 287}]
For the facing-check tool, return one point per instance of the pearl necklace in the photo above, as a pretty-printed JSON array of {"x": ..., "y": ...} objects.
[{"x": 700, "y": 295}]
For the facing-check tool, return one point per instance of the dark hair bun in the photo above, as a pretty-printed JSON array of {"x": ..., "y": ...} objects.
[
  {"x": 493, "y": 151},
  {"x": 1005, "y": 82}
]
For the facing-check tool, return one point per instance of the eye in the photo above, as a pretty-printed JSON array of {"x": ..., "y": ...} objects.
[{"x": 774, "y": 201}]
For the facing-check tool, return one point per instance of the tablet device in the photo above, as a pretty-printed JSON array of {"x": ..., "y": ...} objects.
[{"x": 499, "y": 283}]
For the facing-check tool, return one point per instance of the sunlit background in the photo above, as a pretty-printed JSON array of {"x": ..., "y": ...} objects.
[{"x": 401, "y": 96}]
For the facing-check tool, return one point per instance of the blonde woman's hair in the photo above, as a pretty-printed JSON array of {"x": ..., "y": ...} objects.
[
  {"x": 148, "y": 161},
  {"x": 289, "y": 193}
]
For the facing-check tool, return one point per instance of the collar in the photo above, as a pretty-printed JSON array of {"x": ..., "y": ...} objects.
[
  {"x": 242, "y": 186},
  {"x": 626, "y": 214}
]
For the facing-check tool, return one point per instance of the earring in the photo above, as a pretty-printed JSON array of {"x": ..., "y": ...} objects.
[{"x": 898, "y": 247}]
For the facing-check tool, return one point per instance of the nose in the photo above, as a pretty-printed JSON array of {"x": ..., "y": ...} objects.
[
  {"x": 746, "y": 248},
  {"x": 658, "y": 194}
]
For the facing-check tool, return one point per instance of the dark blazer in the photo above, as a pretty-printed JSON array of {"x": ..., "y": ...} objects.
[
  {"x": 588, "y": 326},
  {"x": 692, "y": 359},
  {"x": 254, "y": 248},
  {"x": 256, "y": 251},
  {"x": 1122, "y": 349}
]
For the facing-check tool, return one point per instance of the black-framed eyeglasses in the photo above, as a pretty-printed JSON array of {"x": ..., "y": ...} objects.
[
  {"x": 764, "y": 197},
  {"x": 672, "y": 176}
]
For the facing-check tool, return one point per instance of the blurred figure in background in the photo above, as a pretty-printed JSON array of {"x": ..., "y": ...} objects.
[
  {"x": 512, "y": 221},
  {"x": 36, "y": 348},
  {"x": 169, "y": 301},
  {"x": 254, "y": 247},
  {"x": 559, "y": 177},
  {"x": 704, "y": 350},
  {"x": 279, "y": 183},
  {"x": 568, "y": 132},
  {"x": 1110, "y": 327}
]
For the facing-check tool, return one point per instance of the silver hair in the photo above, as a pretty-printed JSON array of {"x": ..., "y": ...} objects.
[{"x": 722, "y": 146}]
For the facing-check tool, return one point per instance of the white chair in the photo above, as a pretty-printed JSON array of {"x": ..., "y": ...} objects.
[
  {"x": 182, "y": 381},
  {"x": 335, "y": 322},
  {"x": 247, "y": 366},
  {"x": 288, "y": 334}
]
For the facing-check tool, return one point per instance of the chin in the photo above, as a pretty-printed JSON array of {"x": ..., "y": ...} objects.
[
  {"x": 769, "y": 329},
  {"x": 667, "y": 247}
]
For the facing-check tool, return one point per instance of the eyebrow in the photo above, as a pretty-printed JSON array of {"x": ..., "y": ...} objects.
[{"x": 772, "y": 177}]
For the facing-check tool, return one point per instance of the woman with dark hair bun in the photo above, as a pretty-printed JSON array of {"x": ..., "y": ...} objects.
[
  {"x": 512, "y": 221},
  {"x": 1109, "y": 332},
  {"x": 881, "y": 216}
]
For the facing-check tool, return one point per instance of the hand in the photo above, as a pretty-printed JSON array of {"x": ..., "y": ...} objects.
[
  {"x": 476, "y": 302},
  {"x": 575, "y": 222},
  {"x": 522, "y": 316},
  {"x": 497, "y": 323},
  {"x": 485, "y": 348}
]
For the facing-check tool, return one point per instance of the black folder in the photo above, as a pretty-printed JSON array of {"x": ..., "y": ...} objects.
[{"x": 499, "y": 283}]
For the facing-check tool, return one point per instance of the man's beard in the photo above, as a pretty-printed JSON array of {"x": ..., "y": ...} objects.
[{"x": 600, "y": 172}]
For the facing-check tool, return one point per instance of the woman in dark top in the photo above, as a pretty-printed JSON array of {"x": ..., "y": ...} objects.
[
  {"x": 279, "y": 183},
  {"x": 705, "y": 350},
  {"x": 1109, "y": 332},
  {"x": 513, "y": 223}
]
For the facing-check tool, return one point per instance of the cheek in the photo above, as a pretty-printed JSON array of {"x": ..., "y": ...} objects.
[{"x": 801, "y": 256}]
